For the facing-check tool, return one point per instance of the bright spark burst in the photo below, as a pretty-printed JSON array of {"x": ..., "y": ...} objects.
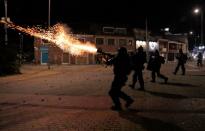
[{"x": 60, "y": 36}]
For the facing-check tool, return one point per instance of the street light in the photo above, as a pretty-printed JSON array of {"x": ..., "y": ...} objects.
[
  {"x": 49, "y": 13},
  {"x": 193, "y": 35},
  {"x": 5, "y": 27},
  {"x": 49, "y": 23},
  {"x": 197, "y": 11}
]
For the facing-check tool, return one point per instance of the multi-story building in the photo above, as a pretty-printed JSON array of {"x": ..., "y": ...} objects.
[
  {"x": 168, "y": 44},
  {"x": 109, "y": 40}
]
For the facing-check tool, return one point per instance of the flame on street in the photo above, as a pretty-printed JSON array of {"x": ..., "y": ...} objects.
[{"x": 60, "y": 36}]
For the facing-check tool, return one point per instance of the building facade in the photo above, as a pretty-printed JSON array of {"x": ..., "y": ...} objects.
[
  {"x": 168, "y": 44},
  {"x": 110, "y": 39}
]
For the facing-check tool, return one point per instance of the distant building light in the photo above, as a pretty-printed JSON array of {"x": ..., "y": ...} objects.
[
  {"x": 153, "y": 46},
  {"x": 4, "y": 19},
  {"x": 201, "y": 47},
  {"x": 140, "y": 43},
  {"x": 166, "y": 29}
]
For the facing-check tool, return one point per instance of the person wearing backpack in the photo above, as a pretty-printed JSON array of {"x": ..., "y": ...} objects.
[
  {"x": 139, "y": 59},
  {"x": 154, "y": 65},
  {"x": 182, "y": 58},
  {"x": 199, "y": 59}
]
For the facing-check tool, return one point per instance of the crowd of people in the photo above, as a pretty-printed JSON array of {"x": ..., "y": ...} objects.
[{"x": 124, "y": 64}]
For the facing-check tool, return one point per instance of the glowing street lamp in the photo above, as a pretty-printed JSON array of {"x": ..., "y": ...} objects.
[{"x": 197, "y": 11}]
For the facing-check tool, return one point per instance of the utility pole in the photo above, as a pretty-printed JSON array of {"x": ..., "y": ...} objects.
[
  {"x": 146, "y": 31},
  {"x": 197, "y": 11},
  {"x": 146, "y": 37},
  {"x": 5, "y": 26},
  {"x": 202, "y": 30},
  {"x": 49, "y": 23}
]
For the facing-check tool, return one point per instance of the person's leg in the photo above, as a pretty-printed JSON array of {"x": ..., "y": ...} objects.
[
  {"x": 162, "y": 76},
  {"x": 153, "y": 76},
  {"x": 126, "y": 98},
  {"x": 134, "y": 80},
  {"x": 183, "y": 69},
  {"x": 141, "y": 80},
  {"x": 176, "y": 69},
  {"x": 114, "y": 93},
  {"x": 122, "y": 95},
  {"x": 201, "y": 64}
]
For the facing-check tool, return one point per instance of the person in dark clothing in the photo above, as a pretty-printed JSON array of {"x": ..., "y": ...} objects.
[
  {"x": 121, "y": 69},
  {"x": 154, "y": 65},
  {"x": 199, "y": 60},
  {"x": 138, "y": 61},
  {"x": 182, "y": 58}
]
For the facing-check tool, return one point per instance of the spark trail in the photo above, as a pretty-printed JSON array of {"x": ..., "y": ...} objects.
[{"x": 59, "y": 35}]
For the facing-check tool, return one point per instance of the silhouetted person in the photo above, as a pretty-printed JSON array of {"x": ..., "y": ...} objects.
[
  {"x": 182, "y": 58},
  {"x": 154, "y": 65},
  {"x": 199, "y": 59},
  {"x": 138, "y": 61},
  {"x": 132, "y": 55},
  {"x": 121, "y": 69}
]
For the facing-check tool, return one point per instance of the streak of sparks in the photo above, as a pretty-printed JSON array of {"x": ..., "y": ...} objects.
[{"x": 58, "y": 35}]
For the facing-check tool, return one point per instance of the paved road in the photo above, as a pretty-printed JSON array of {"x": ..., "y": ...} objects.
[{"x": 74, "y": 98}]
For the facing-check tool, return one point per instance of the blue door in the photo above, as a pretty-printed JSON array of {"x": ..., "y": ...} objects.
[
  {"x": 44, "y": 58},
  {"x": 44, "y": 55}
]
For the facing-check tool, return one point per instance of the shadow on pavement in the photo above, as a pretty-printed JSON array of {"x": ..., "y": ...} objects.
[
  {"x": 179, "y": 84},
  {"x": 167, "y": 95},
  {"x": 197, "y": 75},
  {"x": 149, "y": 124}
]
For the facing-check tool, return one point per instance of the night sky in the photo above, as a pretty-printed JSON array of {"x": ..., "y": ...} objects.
[{"x": 176, "y": 14}]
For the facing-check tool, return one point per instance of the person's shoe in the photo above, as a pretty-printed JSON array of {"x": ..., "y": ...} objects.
[
  {"x": 132, "y": 86},
  {"x": 116, "y": 108},
  {"x": 165, "y": 80},
  {"x": 174, "y": 73},
  {"x": 129, "y": 103},
  {"x": 152, "y": 81}
]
